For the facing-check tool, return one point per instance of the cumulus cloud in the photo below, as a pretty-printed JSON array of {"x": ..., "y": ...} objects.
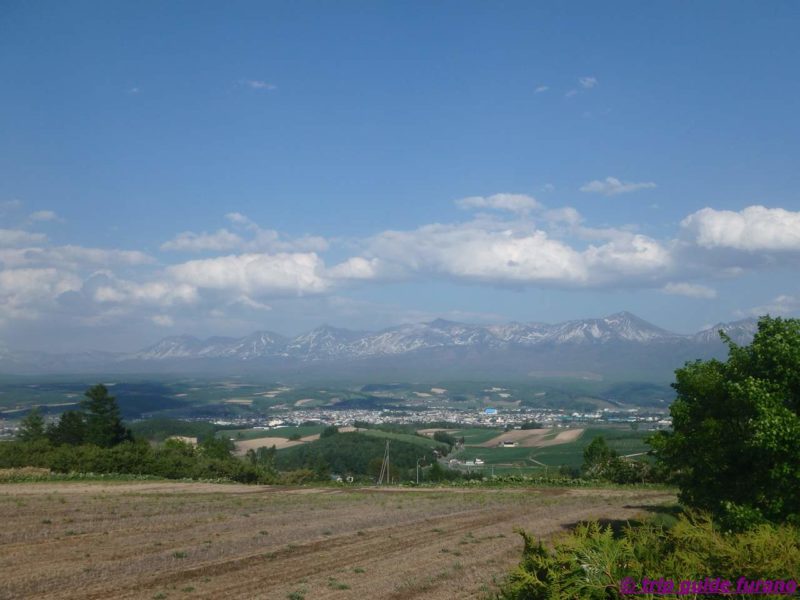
[
  {"x": 628, "y": 259},
  {"x": 43, "y": 215},
  {"x": 239, "y": 219},
  {"x": 248, "y": 302},
  {"x": 149, "y": 293},
  {"x": 511, "y": 240},
  {"x": 751, "y": 229},
  {"x": 587, "y": 83},
  {"x": 253, "y": 238},
  {"x": 513, "y": 255},
  {"x": 515, "y": 203},
  {"x": 354, "y": 268},
  {"x": 563, "y": 216},
  {"x": 611, "y": 186},
  {"x": 783, "y": 304},
  {"x": 17, "y": 237},
  {"x": 255, "y": 275},
  {"x": 691, "y": 290},
  {"x": 541, "y": 89},
  {"x": 10, "y": 204},
  {"x": 221, "y": 240},
  {"x": 257, "y": 84},
  {"x": 25, "y": 292},
  {"x": 72, "y": 257}
]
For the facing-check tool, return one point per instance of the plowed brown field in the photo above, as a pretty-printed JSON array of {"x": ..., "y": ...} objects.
[
  {"x": 183, "y": 540},
  {"x": 534, "y": 438}
]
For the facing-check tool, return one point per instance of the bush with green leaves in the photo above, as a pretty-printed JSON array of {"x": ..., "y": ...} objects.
[
  {"x": 735, "y": 444},
  {"x": 602, "y": 462},
  {"x": 590, "y": 562},
  {"x": 352, "y": 453},
  {"x": 172, "y": 460}
]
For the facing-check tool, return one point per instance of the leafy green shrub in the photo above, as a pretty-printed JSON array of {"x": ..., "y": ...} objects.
[
  {"x": 735, "y": 444},
  {"x": 590, "y": 562},
  {"x": 173, "y": 460}
]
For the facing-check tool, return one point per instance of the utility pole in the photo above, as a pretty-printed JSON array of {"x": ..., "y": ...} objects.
[{"x": 385, "y": 465}]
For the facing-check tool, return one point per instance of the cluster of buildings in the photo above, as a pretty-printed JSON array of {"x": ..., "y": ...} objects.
[{"x": 490, "y": 417}]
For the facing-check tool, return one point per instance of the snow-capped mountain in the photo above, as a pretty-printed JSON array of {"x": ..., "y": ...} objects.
[
  {"x": 255, "y": 345},
  {"x": 619, "y": 344},
  {"x": 741, "y": 332},
  {"x": 330, "y": 343}
]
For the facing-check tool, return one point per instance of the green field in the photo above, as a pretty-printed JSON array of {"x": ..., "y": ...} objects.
[
  {"x": 281, "y": 432},
  {"x": 624, "y": 441},
  {"x": 419, "y": 440},
  {"x": 477, "y": 435}
]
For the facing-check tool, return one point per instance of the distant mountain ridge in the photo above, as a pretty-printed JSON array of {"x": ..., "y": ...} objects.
[
  {"x": 616, "y": 343},
  {"x": 326, "y": 343}
]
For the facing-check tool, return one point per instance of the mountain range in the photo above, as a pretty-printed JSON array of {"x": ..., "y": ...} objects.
[{"x": 619, "y": 345}]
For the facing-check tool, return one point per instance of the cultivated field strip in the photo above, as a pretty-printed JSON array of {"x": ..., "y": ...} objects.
[{"x": 98, "y": 541}]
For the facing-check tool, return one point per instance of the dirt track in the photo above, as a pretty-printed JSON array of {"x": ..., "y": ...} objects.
[{"x": 165, "y": 540}]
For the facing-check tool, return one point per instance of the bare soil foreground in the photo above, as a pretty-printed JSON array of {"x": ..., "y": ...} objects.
[{"x": 184, "y": 540}]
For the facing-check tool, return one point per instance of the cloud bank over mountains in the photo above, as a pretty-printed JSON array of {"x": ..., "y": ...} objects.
[{"x": 506, "y": 240}]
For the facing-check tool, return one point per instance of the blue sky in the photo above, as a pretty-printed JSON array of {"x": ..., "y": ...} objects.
[{"x": 216, "y": 168}]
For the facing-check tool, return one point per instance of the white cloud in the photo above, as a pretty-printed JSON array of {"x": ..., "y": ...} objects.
[
  {"x": 355, "y": 268},
  {"x": 26, "y": 292},
  {"x": 692, "y": 290},
  {"x": 257, "y": 84},
  {"x": 473, "y": 253},
  {"x": 563, "y": 216},
  {"x": 516, "y": 203},
  {"x": 628, "y": 259},
  {"x": 10, "y": 204},
  {"x": 104, "y": 288},
  {"x": 17, "y": 237},
  {"x": 72, "y": 257},
  {"x": 611, "y": 186},
  {"x": 571, "y": 93},
  {"x": 100, "y": 256},
  {"x": 784, "y": 304},
  {"x": 163, "y": 320},
  {"x": 540, "y": 89},
  {"x": 269, "y": 240},
  {"x": 755, "y": 228},
  {"x": 239, "y": 218},
  {"x": 221, "y": 240},
  {"x": 43, "y": 215},
  {"x": 256, "y": 240},
  {"x": 511, "y": 240},
  {"x": 587, "y": 83},
  {"x": 514, "y": 253},
  {"x": 248, "y": 302},
  {"x": 255, "y": 275}
]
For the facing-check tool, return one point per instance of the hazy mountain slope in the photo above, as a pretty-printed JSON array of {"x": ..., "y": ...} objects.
[{"x": 618, "y": 346}]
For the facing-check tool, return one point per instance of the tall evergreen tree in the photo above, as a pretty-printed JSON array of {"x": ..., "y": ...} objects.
[
  {"x": 70, "y": 429},
  {"x": 32, "y": 427},
  {"x": 104, "y": 425}
]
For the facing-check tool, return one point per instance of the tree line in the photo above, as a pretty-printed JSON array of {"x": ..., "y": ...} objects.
[{"x": 94, "y": 439}]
